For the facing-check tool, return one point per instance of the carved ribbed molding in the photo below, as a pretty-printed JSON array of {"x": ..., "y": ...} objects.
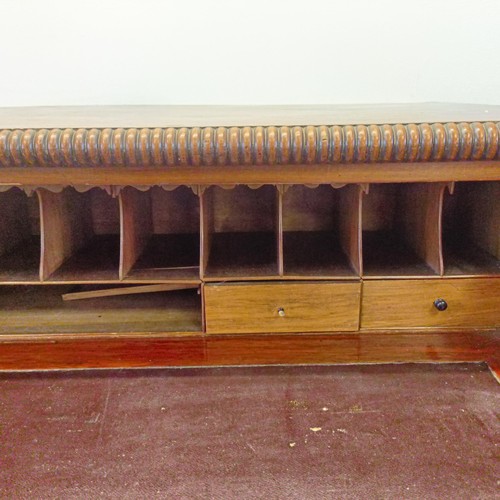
[{"x": 225, "y": 146}]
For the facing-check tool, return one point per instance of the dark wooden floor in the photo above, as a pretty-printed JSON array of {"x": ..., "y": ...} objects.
[{"x": 393, "y": 431}]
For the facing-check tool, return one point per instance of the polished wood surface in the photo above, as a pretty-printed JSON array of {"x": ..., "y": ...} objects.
[
  {"x": 282, "y": 307},
  {"x": 410, "y": 303},
  {"x": 148, "y": 351}
]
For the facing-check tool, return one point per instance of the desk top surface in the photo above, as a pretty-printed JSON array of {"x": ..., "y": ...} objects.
[{"x": 239, "y": 116}]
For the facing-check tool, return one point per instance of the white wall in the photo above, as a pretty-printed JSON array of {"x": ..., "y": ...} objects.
[{"x": 254, "y": 51}]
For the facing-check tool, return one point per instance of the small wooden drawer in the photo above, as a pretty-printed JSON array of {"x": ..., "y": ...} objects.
[
  {"x": 431, "y": 303},
  {"x": 282, "y": 307}
]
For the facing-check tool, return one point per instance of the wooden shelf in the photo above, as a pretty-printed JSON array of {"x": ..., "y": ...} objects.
[
  {"x": 241, "y": 232},
  {"x": 386, "y": 254},
  {"x": 471, "y": 229},
  {"x": 96, "y": 261},
  {"x": 321, "y": 231},
  {"x": 20, "y": 244},
  {"x": 236, "y": 255},
  {"x": 160, "y": 234},
  {"x": 80, "y": 235},
  {"x": 168, "y": 256},
  {"x": 401, "y": 230},
  {"x": 315, "y": 253},
  {"x": 40, "y": 309}
]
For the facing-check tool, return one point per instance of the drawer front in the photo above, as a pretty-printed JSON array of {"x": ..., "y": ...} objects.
[
  {"x": 282, "y": 307},
  {"x": 410, "y": 303}
]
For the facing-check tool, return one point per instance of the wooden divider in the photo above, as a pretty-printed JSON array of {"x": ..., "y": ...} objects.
[
  {"x": 279, "y": 229},
  {"x": 207, "y": 228},
  {"x": 136, "y": 227},
  {"x": 350, "y": 224}
]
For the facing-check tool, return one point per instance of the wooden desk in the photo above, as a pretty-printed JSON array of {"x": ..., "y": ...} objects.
[{"x": 186, "y": 236}]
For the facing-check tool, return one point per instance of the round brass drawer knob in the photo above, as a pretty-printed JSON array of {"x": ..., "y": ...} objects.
[
  {"x": 281, "y": 312},
  {"x": 440, "y": 304}
]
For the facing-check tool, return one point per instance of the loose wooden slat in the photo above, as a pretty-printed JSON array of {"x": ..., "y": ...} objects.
[{"x": 111, "y": 292}]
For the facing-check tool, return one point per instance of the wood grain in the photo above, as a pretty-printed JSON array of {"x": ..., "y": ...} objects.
[
  {"x": 350, "y": 225},
  {"x": 282, "y": 307},
  {"x": 410, "y": 303},
  {"x": 420, "y": 211},
  {"x": 77, "y": 351},
  {"x": 136, "y": 227},
  {"x": 245, "y": 233},
  {"x": 402, "y": 229},
  {"x": 207, "y": 228},
  {"x": 66, "y": 227},
  {"x": 277, "y": 174},
  {"x": 279, "y": 230},
  {"x": 75, "y": 239},
  {"x": 314, "y": 241}
]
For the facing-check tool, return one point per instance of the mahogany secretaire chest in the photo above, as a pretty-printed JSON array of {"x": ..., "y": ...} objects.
[{"x": 193, "y": 236}]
